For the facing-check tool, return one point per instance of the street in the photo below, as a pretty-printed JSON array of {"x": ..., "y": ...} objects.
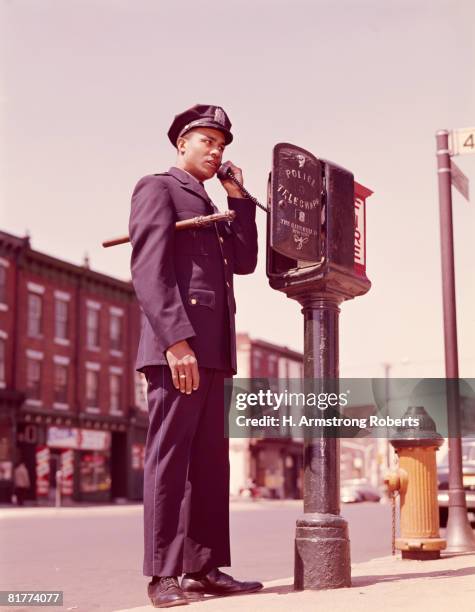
[{"x": 98, "y": 550}]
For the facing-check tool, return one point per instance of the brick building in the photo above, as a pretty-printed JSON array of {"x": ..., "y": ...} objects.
[
  {"x": 70, "y": 399},
  {"x": 273, "y": 464}
]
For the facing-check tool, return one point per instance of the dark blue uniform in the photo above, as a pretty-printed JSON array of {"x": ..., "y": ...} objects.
[{"x": 184, "y": 283}]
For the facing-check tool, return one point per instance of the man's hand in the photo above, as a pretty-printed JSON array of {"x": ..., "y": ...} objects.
[
  {"x": 183, "y": 367},
  {"x": 232, "y": 189}
]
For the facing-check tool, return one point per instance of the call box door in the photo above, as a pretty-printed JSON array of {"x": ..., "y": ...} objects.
[{"x": 295, "y": 203}]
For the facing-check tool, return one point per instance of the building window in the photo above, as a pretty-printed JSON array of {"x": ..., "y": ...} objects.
[
  {"x": 143, "y": 318},
  {"x": 92, "y": 327},
  {"x": 141, "y": 391},
  {"x": 3, "y": 284},
  {"x": 2, "y": 361},
  {"x": 33, "y": 378},
  {"x": 115, "y": 393},
  {"x": 115, "y": 329},
  {"x": 94, "y": 472},
  {"x": 256, "y": 363},
  {"x": 273, "y": 366},
  {"x": 92, "y": 388},
  {"x": 35, "y": 309},
  {"x": 61, "y": 384},
  {"x": 61, "y": 309}
]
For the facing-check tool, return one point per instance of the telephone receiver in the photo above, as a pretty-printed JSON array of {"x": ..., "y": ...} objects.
[{"x": 225, "y": 173}]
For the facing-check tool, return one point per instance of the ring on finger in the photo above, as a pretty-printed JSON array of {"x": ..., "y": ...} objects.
[{"x": 182, "y": 375}]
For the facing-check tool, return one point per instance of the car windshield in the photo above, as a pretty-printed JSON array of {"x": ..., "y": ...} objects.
[{"x": 468, "y": 453}]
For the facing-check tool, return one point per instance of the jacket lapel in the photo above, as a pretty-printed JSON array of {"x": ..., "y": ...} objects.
[{"x": 190, "y": 184}]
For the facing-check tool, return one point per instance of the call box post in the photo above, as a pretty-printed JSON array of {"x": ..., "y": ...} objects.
[{"x": 316, "y": 255}]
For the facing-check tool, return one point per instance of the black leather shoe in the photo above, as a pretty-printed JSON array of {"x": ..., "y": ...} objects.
[
  {"x": 165, "y": 592},
  {"x": 217, "y": 583}
]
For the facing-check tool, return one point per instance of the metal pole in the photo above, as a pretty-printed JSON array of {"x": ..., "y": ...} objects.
[
  {"x": 460, "y": 537},
  {"x": 59, "y": 476},
  {"x": 387, "y": 370},
  {"x": 322, "y": 547}
]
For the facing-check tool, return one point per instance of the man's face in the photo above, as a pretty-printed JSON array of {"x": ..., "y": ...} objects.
[{"x": 200, "y": 152}]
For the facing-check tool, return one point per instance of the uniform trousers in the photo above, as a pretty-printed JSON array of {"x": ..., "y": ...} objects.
[{"x": 186, "y": 476}]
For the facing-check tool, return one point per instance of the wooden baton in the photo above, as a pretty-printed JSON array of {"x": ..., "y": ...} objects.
[{"x": 193, "y": 223}]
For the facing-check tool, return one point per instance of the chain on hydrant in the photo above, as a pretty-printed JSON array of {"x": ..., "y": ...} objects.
[
  {"x": 416, "y": 482},
  {"x": 394, "y": 482}
]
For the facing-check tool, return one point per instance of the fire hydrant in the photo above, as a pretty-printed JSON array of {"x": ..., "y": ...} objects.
[{"x": 416, "y": 482}]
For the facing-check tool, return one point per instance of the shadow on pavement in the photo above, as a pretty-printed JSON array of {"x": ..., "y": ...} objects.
[
  {"x": 282, "y": 589},
  {"x": 361, "y": 581}
]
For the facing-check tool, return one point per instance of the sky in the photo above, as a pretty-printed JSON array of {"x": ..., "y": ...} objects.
[{"x": 89, "y": 89}]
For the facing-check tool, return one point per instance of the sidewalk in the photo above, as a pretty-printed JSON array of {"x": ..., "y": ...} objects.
[
  {"x": 7, "y": 512},
  {"x": 388, "y": 583},
  {"x": 97, "y": 509}
]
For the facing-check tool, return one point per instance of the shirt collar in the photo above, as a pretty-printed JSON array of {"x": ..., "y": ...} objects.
[{"x": 189, "y": 174}]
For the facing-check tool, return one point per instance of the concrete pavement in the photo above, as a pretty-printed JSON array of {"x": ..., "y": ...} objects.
[
  {"x": 388, "y": 583},
  {"x": 71, "y": 547}
]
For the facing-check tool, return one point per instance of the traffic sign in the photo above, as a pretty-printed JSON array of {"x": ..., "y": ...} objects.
[
  {"x": 459, "y": 180},
  {"x": 462, "y": 141}
]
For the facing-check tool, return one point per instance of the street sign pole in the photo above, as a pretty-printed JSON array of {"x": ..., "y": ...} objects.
[{"x": 460, "y": 537}]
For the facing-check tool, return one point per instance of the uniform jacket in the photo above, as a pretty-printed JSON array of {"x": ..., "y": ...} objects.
[{"x": 184, "y": 279}]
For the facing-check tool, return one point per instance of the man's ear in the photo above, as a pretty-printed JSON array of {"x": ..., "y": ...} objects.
[{"x": 181, "y": 145}]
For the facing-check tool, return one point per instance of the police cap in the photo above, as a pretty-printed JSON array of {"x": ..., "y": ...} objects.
[{"x": 200, "y": 115}]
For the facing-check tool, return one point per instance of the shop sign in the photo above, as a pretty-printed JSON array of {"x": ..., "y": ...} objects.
[
  {"x": 63, "y": 437},
  {"x": 90, "y": 439},
  {"x": 83, "y": 439}
]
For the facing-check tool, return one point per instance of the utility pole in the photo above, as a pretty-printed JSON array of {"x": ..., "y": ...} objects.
[{"x": 460, "y": 537}]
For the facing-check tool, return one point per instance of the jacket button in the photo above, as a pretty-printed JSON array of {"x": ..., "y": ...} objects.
[
  {"x": 221, "y": 239},
  {"x": 225, "y": 261},
  {"x": 193, "y": 301},
  {"x": 227, "y": 283}
]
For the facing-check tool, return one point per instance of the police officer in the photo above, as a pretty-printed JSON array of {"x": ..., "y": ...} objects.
[{"x": 184, "y": 283}]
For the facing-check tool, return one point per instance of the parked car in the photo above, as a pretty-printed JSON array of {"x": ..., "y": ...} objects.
[
  {"x": 353, "y": 491},
  {"x": 468, "y": 467}
]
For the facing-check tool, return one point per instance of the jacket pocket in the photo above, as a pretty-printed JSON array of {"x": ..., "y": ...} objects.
[{"x": 202, "y": 297}]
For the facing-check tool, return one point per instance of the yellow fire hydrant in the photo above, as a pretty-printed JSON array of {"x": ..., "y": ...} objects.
[{"x": 416, "y": 482}]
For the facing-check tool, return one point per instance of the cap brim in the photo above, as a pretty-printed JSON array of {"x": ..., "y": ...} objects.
[{"x": 228, "y": 137}]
